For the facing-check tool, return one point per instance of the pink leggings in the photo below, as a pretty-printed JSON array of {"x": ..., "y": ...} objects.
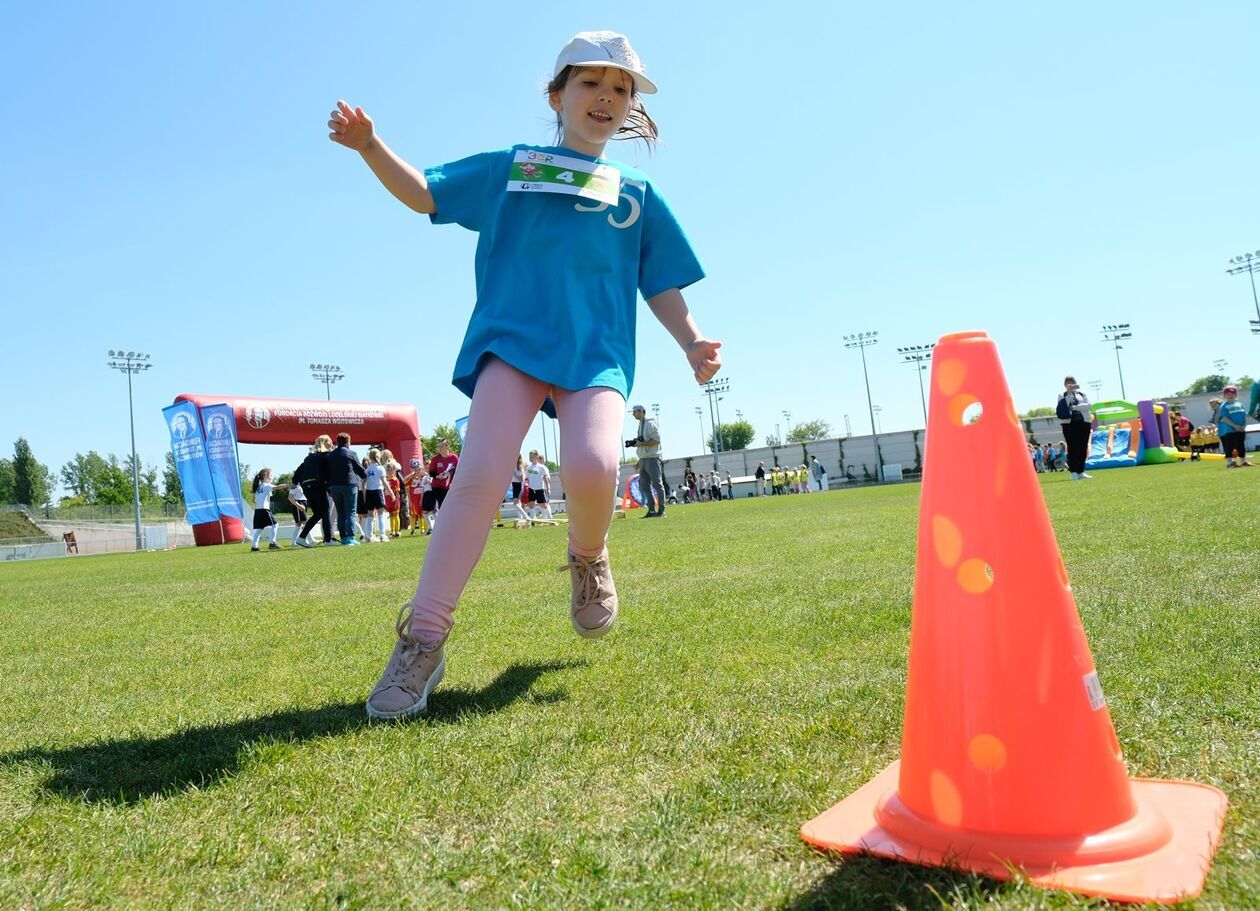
[{"x": 503, "y": 406}]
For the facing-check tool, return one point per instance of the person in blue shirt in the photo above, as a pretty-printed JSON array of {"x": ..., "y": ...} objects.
[
  {"x": 1231, "y": 424},
  {"x": 570, "y": 238}
]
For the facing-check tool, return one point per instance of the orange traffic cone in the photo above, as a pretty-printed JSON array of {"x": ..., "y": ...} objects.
[{"x": 1009, "y": 757}]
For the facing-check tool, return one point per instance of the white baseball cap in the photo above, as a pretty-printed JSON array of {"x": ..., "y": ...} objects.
[{"x": 605, "y": 49}]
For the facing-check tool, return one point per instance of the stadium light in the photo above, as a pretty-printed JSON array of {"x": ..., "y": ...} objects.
[
  {"x": 862, "y": 341},
  {"x": 131, "y": 362},
  {"x": 1248, "y": 263},
  {"x": 918, "y": 355},
  {"x": 327, "y": 374},
  {"x": 1115, "y": 334},
  {"x": 714, "y": 389}
]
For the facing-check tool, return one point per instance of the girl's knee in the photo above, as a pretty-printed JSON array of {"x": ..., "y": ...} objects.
[{"x": 589, "y": 471}]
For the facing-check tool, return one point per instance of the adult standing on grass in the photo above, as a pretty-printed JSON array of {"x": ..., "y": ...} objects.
[
  {"x": 312, "y": 474},
  {"x": 1073, "y": 411},
  {"x": 576, "y": 266},
  {"x": 344, "y": 472},
  {"x": 647, "y": 445},
  {"x": 818, "y": 471},
  {"x": 761, "y": 479}
]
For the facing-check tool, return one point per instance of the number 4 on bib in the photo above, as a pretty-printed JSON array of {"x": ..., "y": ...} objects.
[{"x": 566, "y": 175}]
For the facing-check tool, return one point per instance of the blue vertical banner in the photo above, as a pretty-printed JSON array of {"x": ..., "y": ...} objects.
[
  {"x": 189, "y": 450},
  {"x": 219, "y": 423},
  {"x": 461, "y": 427}
]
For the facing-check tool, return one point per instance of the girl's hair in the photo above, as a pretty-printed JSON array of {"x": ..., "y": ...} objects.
[
  {"x": 639, "y": 125},
  {"x": 323, "y": 443},
  {"x": 520, "y": 459},
  {"x": 374, "y": 455},
  {"x": 258, "y": 478}
]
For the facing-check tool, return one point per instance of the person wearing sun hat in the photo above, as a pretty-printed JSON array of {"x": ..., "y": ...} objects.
[
  {"x": 572, "y": 239},
  {"x": 1231, "y": 424}
]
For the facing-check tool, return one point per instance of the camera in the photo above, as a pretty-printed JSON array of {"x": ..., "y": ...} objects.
[{"x": 630, "y": 443}]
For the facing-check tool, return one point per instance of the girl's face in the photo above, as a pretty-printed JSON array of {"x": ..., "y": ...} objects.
[{"x": 592, "y": 106}]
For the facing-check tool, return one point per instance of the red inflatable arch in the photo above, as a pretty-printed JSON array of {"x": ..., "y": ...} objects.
[{"x": 299, "y": 422}]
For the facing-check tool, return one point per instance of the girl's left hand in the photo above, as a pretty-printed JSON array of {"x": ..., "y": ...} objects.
[{"x": 705, "y": 361}]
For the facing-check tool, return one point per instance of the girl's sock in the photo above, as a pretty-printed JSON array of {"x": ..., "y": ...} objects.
[
  {"x": 546, "y": 511},
  {"x": 271, "y": 532},
  {"x": 257, "y": 536}
]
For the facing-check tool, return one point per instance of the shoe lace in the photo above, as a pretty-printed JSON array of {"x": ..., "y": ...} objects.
[
  {"x": 585, "y": 578},
  {"x": 399, "y": 672}
]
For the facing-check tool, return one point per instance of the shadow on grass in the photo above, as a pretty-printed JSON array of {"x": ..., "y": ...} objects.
[
  {"x": 864, "y": 882},
  {"x": 129, "y": 771}
]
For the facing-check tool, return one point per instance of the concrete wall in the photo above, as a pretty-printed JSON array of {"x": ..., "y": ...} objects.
[
  {"x": 856, "y": 453},
  {"x": 859, "y": 451}
]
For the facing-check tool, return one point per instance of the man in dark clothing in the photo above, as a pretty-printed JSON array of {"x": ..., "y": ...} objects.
[
  {"x": 344, "y": 471},
  {"x": 1073, "y": 411},
  {"x": 312, "y": 474}
]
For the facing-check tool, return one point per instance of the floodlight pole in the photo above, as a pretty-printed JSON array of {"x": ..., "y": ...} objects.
[
  {"x": 918, "y": 355},
  {"x": 1115, "y": 334},
  {"x": 713, "y": 389},
  {"x": 132, "y": 362},
  {"x": 700, "y": 415},
  {"x": 327, "y": 374},
  {"x": 861, "y": 341},
  {"x": 1249, "y": 263}
]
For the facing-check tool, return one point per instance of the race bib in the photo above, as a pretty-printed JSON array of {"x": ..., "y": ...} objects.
[{"x": 543, "y": 172}]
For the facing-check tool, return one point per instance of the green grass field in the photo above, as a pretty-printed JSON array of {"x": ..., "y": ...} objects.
[{"x": 185, "y": 729}]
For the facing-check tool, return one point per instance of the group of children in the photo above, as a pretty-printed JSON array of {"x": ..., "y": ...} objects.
[
  {"x": 703, "y": 488},
  {"x": 1048, "y": 457},
  {"x": 785, "y": 480},
  {"x": 389, "y": 501},
  {"x": 531, "y": 487}
]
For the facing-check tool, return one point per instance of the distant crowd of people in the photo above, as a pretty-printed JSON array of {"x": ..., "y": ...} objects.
[{"x": 354, "y": 500}]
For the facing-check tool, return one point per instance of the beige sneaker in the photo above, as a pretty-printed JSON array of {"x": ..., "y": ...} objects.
[
  {"x": 414, "y": 669},
  {"x": 593, "y": 609}
]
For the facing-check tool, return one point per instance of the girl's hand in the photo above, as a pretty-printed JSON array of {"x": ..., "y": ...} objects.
[
  {"x": 351, "y": 127},
  {"x": 705, "y": 361}
]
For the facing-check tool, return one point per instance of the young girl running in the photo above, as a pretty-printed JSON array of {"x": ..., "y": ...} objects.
[
  {"x": 263, "y": 518},
  {"x": 571, "y": 236}
]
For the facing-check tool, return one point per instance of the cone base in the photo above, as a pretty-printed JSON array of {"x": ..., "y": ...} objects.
[{"x": 1177, "y": 870}]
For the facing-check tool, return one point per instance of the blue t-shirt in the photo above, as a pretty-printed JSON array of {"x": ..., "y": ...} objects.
[
  {"x": 567, "y": 264},
  {"x": 1236, "y": 412}
]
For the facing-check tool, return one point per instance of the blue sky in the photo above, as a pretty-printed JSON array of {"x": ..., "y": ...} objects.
[{"x": 915, "y": 169}]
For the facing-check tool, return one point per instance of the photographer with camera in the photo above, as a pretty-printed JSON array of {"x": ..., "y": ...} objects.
[{"x": 647, "y": 444}]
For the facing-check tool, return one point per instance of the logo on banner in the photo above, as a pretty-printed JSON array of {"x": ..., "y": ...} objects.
[
  {"x": 217, "y": 428},
  {"x": 181, "y": 426},
  {"x": 257, "y": 417}
]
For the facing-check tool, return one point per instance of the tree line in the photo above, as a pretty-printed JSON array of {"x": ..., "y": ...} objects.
[{"x": 92, "y": 479}]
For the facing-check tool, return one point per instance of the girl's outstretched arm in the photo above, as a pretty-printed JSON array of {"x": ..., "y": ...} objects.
[
  {"x": 702, "y": 353},
  {"x": 353, "y": 129}
]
